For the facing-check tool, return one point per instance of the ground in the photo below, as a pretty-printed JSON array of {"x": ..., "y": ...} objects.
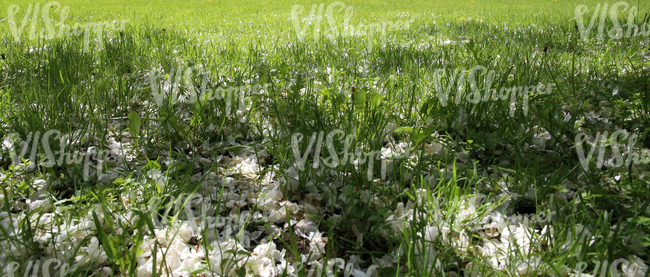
[{"x": 302, "y": 138}]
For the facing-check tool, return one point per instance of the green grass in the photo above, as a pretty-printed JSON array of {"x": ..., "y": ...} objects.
[{"x": 102, "y": 96}]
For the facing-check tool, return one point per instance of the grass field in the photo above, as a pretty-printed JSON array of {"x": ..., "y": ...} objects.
[{"x": 306, "y": 138}]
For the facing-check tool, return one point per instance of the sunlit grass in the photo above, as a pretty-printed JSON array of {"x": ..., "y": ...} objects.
[{"x": 241, "y": 158}]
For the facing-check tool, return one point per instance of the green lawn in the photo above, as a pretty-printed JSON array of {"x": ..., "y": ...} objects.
[{"x": 246, "y": 138}]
